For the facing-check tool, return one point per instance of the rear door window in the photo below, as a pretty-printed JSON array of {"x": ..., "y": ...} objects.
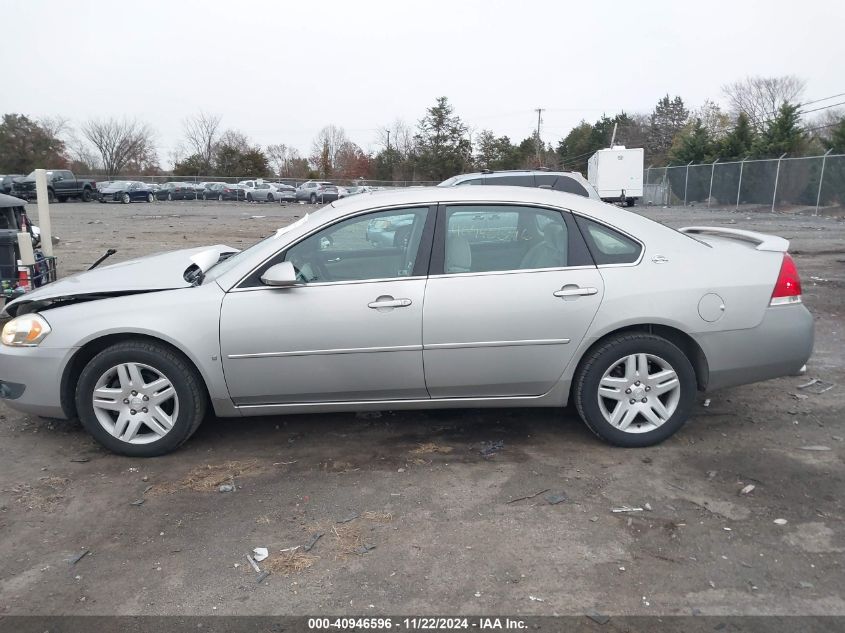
[
  {"x": 608, "y": 246},
  {"x": 521, "y": 180}
]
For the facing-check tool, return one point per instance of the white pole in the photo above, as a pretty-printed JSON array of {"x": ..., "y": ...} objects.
[
  {"x": 821, "y": 180},
  {"x": 712, "y": 171},
  {"x": 44, "y": 212},
  {"x": 739, "y": 186},
  {"x": 686, "y": 182},
  {"x": 777, "y": 177}
]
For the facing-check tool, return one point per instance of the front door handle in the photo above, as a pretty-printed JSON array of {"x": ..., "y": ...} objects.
[
  {"x": 389, "y": 302},
  {"x": 575, "y": 291}
]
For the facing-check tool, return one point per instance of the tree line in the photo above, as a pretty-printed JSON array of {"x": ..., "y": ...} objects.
[{"x": 764, "y": 118}]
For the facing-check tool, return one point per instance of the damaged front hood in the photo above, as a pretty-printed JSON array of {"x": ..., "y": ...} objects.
[{"x": 165, "y": 271}]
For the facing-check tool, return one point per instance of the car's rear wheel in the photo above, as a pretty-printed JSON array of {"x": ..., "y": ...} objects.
[
  {"x": 313, "y": 198},
  {"x": 249, "y": 197},
  {"x": 635, "y": 390},
  {"x": 140, "y": 399},
  {"x": 125, "y": 198},
  {"x": 150, "y": 197},
  {"x": 86, "y": 194},
  {"x": 269, "y": 197},
  {"x": 219, "y": 197},
  {"x": 170, "y": 197}
]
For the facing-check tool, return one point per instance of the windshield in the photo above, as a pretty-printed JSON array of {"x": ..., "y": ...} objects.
[
  {"x": 230, "y": 262},
  {"x": 122, "y": 184},
  {"x": 449, "y": 182}
]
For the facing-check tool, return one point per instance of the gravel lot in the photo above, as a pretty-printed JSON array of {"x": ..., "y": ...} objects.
[{"x": 446, "y": 533}]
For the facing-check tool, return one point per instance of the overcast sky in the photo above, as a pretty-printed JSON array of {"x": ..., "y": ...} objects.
[{"x": 279, "y": 71}]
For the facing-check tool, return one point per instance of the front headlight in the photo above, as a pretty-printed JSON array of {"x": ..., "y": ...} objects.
[{"x": 27, "y": 330}]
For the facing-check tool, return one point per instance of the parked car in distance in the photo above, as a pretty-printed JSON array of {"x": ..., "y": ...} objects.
[
  {"x": 354, "y": 191},
  {"x": 7, "y": 181},
  {"x": 204, "y": 190},
  {"x": 61, "y": 185},
  {"x": 272, "y": 192},
  {"x": 224, "y": 191},
  {"x": 567, "y": 181},
  {"x": 248, "y": 186},
  {"x": 126, "y": 191},
  {"x": 284, "y": 192},
  {"x": 532, "y": 298},
  {"x": 176, "y": 191},
  {"x": 315, "y": 191}
]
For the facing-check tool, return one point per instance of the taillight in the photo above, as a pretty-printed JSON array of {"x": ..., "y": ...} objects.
[{"x": 788, "y": 286}]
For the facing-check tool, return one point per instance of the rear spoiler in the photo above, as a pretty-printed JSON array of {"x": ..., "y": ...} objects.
[{"x": 763, "y": 241}]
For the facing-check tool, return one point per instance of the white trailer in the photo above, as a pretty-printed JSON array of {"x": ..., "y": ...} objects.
[{"x": 617, "y": 174}]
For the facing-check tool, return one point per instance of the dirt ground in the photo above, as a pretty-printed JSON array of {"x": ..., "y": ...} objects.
[{"x": 414, "y": 518}]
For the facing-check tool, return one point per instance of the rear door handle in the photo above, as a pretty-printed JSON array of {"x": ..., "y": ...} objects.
[
  {"x": 389, "y": 302},
  {"x": 575, "y": 291}
]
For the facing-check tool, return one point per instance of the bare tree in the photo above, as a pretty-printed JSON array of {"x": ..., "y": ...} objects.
[
  {"x": 282, "y": 158},
  {"x": 401, "y": 138},
  {"x": 235, "y": 139},
  {"x": 119, "y": 142},
  {"x": 201, "y": 135},
  {"x": 761, "y": 97},
  {"x": 327, "y": 146}
]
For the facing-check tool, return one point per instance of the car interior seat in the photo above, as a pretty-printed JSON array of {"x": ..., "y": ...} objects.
[{"x": 551, "y": 252}]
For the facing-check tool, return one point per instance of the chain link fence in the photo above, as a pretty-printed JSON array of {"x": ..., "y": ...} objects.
[{"x": 781, "y": 184}]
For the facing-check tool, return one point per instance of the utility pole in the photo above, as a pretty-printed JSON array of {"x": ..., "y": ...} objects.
[
  {"x": 539, "y": 112},
  {"x": 388, "y": 142}
]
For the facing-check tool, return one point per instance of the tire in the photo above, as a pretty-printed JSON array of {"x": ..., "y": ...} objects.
[
  {"x": 51, "y": 195},
  {"x": 103, "y": 200},
  {"x": 188, "y": 400},
  {"x": 219, "y": 197},
  {"x": 150, "y": 198},
  {"x": 313, "y": 198},
  {"x": 629, "y": 202},
  {"x": 249, "y": 197},
  {"x": 270, "y": 197},
  {"x": 609, "y": 356},
  {"x": 125, "y": 199},
  {"x": 86, "y": 194},
  {"x": 170, "y": 197}
]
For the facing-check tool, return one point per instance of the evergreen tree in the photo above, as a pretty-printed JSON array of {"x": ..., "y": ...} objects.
[
  {"x": 837, "y": 138},
  {"x": 737, "y": 144},
  {"x": 442, "y": 145},
  {"x": 693, "y": 143},
  {"x": 781, "y": 135},
  {"x": 668, "y": 118}
]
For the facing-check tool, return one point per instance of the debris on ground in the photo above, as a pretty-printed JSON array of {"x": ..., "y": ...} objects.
[
  {"x": 647, "y": 506},
  {"x": 626, "y": 509},
  {"x": 348, "y": 518},
  {"x": 706, "y": 402},
  {"x": 817, "y": 386},
  {"x": 80, "y": 460},
  {"x": 780, "y": 521},
  {"x": 226, "y": 488},
  {"x": 799, "y": 396},
  {"x": 137, "y": 502},
  {"x": 260, "y": 553},
  {"x": 290, "y": 549},
  {"x": 312, "y": 542},
  {"x": 554, "y": 499},
  {"x": 377, "y": 517},
  {"x": 368, "y": 415},
  {"x": 290, "y": 563},
  {"x": 815, "y": 448},
  {"x": 711, "y": 474},
  {"x": 254, "y": 564},
  {"x": 536, "y": 599},
  {"x": 488, "y": 449},
  {"x": 536, "y": 494},
  {"x": 79, "y": 557},
  {"x": 147, "y": 489},
  {"x": 430, "y": 447},
  {"x": 805, "y": 585},
  {"x": 261, "y": 577},
  {"x": 363, "y": 549},
  {"x": 747, "y": 489},
  {"x": 598, "y": 618}
]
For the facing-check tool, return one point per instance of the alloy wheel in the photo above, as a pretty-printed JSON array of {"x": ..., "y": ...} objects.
[
  {"x": 639, "y": 393},
  {"x": 135, "y": 403}
]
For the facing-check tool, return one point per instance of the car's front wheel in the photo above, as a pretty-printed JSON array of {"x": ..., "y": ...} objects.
[
  {"x": 126, "y": 199},
  {"x": 140, "y": 399},
  {"x": 635, "y": 390},
  {"x": 150, "y": 198}
]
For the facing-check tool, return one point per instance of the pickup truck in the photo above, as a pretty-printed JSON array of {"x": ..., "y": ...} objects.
[{"x": 61, "y": 185}]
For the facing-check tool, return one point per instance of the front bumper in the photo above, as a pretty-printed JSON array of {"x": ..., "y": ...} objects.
[
  {"x": 779, "y": 346},
  {"x": 30, "y": 379}
]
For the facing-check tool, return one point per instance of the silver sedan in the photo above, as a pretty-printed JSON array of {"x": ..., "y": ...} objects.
[{"x": 482, "y": 297}]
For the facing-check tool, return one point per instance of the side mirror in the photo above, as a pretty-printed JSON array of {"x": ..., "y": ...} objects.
[{"x": 281, "y": 275}]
